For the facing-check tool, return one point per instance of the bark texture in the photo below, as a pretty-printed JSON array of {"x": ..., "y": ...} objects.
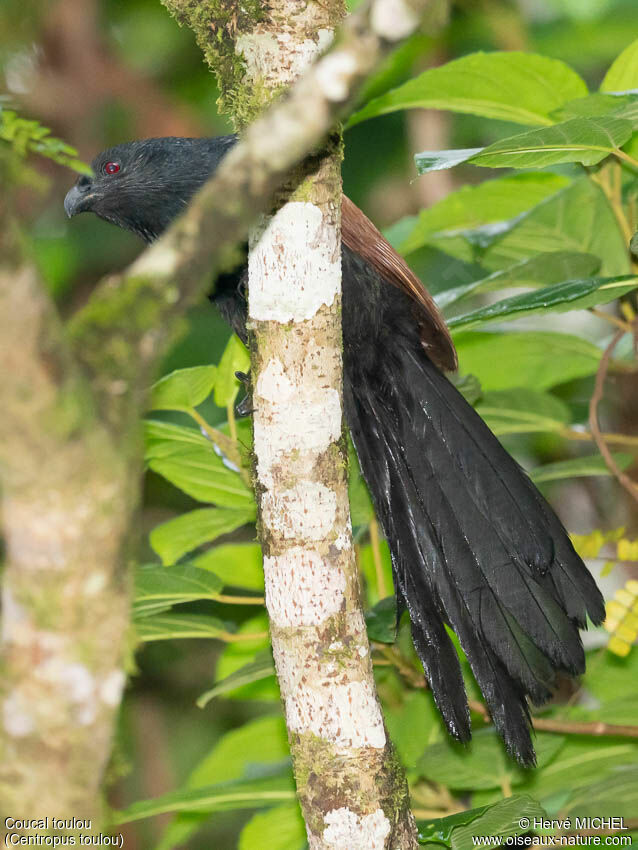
[
  {"x": 72, "y": 399},
  {"x": 352, "y": 789}
]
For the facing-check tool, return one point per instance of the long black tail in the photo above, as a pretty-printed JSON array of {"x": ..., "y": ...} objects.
[{"x": 474, "y": 545}]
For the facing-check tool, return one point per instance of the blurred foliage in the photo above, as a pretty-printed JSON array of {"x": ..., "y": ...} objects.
[{"x": 513, "y": 260}]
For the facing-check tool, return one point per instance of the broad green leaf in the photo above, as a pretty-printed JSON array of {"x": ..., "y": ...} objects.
[
  {"x": 173, "y": 585},
  {"x": 427, "y": 161},
  {"x": 623, "y": 74},
  {"x": 237, "y": 654},
  {"x": 262, "y": 667},
  {"x": 241, "y": 754},
  {"x": 496, "y": 200},
  {"x": 616, "y": 795},
  {"x": 224, "y": 796},
  {"x": 534, "y": 359},
  {"x": 483, "y": 763},
  {"x": 521, "y": 87},
  {"x": 234, "y": 359},
  {"x": 622, "y": 106},
  {"x": 237, "y": 564},
  {"x": 559, "y": 298},
  {"x": 369, "y": 570},
  {"x": 180, "y": 626},
  {"x": 578, "y": 468},
  {"x": 280, "y": 828},
  {"x": 584, "y": 140},
  {"x": 183, "y": 389},
  {"x": 161, "y": 438},
  {"x": 439, "y": 830},
  {"x": 540, "y": 270},
  {"x": 381, "y": 620},
  {"x": 581, "y": 761},
  {"x": 609, "y": 677},
  {"x": 174, "y": 538},
  {"x": 576, "y": 218},
  {"x": 523, "y": 411},
  {"x": 414, "y": 724},
  {"x": 361, "y": 510},
  {"x": 502, "y": 819},
  {"x": 200, "y": 472}
]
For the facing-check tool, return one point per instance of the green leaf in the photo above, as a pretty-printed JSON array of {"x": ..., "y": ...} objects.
[
  {"x": 521, "y": 87},
  {"x": 234, "y": 359},
  {"x": 262, "y": 667},
  {"x": 160, "y": 438},
  {"x": 496, "y": 200},
  {"x": 382, "y": 619},
  {"x": 502, "y": 819},
  {"x": 559, "y": 298},
  {"x": 540, "y": 270},
  {"x": 162, "y": 586},
  {"x": 616, "y": 795},
  {"x": 523, "y": 411},
  {"x": 223, "y": 796},
  {"x": 200, "y": 472},
  {"x": 183, "y": 389},
  {"x": 483, "y": 763},
  {"x": 180, "y": 626},
  {"x": 279, "y": 828},
  {"x": 361, "y": 510},
  {"x": 244, "y": 753},
  {"x": 439, "y": 830},
  {"x": 579, "y": 467},
  {"x": 174, "y": 538},
  {"x": 623, "y": 106},
  {"x": 583, "y": 140},
  {"x": 414, "y": 723},
  {"x": 237, "y": 654},
  {"x": 576, "y": 218},
  {"x": 623, "y": 74},
  {"x": 534, "y": 359},
  {"x": 237, "y": 564},
  {"x": 427, "y": 161}
]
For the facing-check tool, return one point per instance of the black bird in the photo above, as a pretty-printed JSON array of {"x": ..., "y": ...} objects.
[{"x": 474, "y": 544}]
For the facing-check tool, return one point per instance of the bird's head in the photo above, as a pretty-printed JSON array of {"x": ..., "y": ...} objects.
[{"x": 142, "y": 186}]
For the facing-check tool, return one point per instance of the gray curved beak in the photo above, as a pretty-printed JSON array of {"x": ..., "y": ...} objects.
[{"x": 74, "y": 201}]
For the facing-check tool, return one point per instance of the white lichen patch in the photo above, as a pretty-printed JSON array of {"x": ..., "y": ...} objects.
[
  {"x": 273, "y": 383},
  {"x": 110, "y": 690},
  {"x": 309, "y": 427},
  {"x": 334, "y": 75},
  {"x": 346, "y": 715},
  {"x": 294, "y": 265},
  {"x": 16, "y": 717},
  {"x": 393, "y": 19},
  {"x": 158, "y": 260},
  {"x": 301, "y": 588},
  {"x": 306, "y": 511},
  {"x": 74, "y": 684},
  {"x": 345, "y": 828},
  {"x": 278, "y": 58}
]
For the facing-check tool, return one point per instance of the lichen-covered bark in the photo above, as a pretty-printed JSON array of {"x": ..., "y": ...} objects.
[
  {"x": 352, "y": 790},
  {"x": 66, "y": 503}
]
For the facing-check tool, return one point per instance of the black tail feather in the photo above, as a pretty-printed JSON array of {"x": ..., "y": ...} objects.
[{"x": 473, "y": 544}]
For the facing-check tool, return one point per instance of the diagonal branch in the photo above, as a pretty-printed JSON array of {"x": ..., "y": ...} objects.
[{"x": 133, "y": 316}]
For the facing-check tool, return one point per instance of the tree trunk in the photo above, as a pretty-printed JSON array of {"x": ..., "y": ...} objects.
[{"x": 351, "y": 786}]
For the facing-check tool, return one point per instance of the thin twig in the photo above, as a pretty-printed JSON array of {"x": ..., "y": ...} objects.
[{"x": 597, "y": 395}]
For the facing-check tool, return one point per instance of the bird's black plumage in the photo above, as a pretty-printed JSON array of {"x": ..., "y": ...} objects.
[{"x": 474, "y": 545}]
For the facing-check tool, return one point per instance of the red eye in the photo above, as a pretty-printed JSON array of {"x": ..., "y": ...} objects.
[{"x": 112, "y": 167}]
